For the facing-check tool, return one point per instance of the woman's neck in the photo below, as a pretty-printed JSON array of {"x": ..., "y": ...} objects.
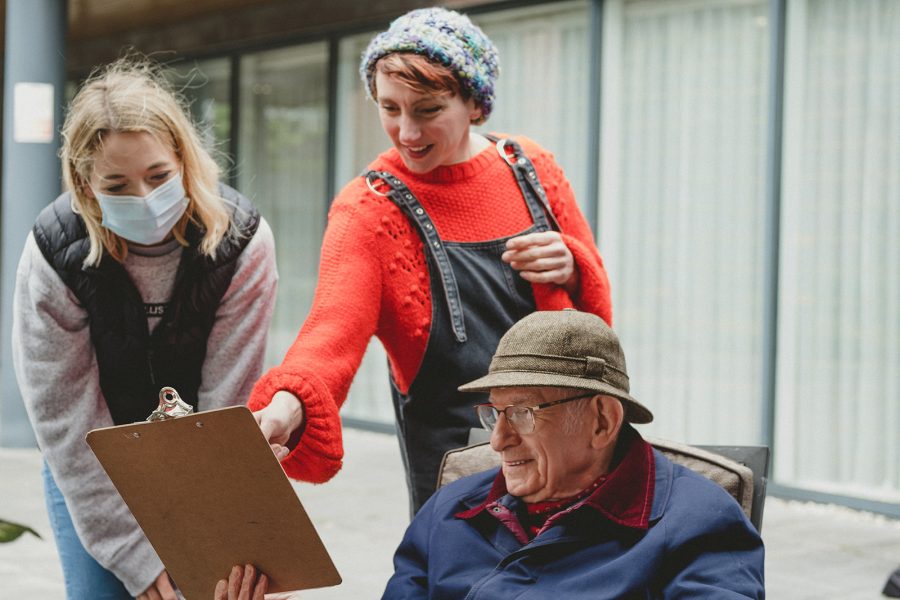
[{"x": 477, "y": 143}]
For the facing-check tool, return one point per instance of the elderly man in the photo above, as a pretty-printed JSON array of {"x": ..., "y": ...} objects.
[{"x": 582, "y": 506}]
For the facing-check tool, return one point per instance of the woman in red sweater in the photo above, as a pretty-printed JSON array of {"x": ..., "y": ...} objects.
[{"x": 449, "y": 239}]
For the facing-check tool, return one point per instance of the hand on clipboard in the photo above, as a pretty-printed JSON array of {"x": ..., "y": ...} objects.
[
  {"x": 279, "y": 421},
  {"x": 161, "y": 589},
  {"x": 210, "y": 494},
  {"x": 247, "y": 583}
]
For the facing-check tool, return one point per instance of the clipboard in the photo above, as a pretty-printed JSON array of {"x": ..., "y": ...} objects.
[{"x": 210, "y": 494}]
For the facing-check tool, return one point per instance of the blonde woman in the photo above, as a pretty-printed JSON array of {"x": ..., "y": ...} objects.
[{"x": 147, "y": 272}]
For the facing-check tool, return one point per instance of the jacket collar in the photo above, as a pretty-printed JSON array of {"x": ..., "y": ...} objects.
[{"x": 626, "y": 497}]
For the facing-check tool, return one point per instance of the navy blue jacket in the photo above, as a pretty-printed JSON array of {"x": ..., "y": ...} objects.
[{"x": 699, "y": 544}]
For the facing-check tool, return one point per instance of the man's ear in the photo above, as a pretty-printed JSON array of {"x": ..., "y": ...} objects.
[{"x": 610, "y": 414}]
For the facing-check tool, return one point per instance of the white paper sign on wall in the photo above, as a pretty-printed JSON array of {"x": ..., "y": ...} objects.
[{"x": 33, "y": 113}]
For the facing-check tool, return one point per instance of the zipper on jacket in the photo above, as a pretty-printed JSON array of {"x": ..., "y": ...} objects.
[{"x": 150, "y": 365}]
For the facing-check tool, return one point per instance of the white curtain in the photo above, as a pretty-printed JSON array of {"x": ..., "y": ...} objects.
[
  {"x": 838, "y": 418},
  {"x": 682, "y": 208},
  {"x": 359, "y": 135},
  {"x": 283, "y": 135},
  {"x": 542, "y": 93}
]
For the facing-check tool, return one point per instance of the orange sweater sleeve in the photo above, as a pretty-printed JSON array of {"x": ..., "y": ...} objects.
[
  {"x": 593, "y": 293},
  {"x": 343, "y": 318}
]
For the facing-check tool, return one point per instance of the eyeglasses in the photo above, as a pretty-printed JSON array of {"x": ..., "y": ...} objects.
[{"x": 520, "y": 417}]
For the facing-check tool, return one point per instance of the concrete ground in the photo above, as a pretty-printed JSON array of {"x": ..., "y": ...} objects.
[{"x": 814, "y": 552}]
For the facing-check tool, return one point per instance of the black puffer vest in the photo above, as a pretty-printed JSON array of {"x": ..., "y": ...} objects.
[{"x": 134, "y": 364}]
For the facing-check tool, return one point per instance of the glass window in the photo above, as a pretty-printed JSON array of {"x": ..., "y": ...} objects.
[
  {"x": 682, "y": 206},
  {"x": 283, "y": 170},
  {"x": 360, "y": 137},
  {"x": 359, "y": 140},
  {"x": 838, "y": 414},
  {"x": 206, "y": 85}
]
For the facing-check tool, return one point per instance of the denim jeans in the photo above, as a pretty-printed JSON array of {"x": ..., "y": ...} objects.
[{"x": 84, "y": 577}]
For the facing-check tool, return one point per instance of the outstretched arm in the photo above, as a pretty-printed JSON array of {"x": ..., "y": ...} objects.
[{"x": 299, "y": 400}]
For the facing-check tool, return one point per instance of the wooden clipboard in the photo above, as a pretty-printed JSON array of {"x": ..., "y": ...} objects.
[{"x": 209, "y": 494}]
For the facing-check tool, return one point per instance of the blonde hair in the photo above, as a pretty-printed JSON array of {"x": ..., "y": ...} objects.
[{"x": 132, "y": 95}]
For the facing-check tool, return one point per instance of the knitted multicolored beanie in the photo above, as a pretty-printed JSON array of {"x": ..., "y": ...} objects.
[{"x": 443, "y": 36}]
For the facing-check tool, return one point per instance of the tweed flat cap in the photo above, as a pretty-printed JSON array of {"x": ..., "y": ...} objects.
[{"x": 566, "y": 348}]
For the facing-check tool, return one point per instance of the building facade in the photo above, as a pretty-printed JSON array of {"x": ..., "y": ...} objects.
[{"x": 739, "y": 160}]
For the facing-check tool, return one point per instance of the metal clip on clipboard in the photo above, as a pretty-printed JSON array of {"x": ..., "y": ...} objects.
[{"x": 170, "y": 406}]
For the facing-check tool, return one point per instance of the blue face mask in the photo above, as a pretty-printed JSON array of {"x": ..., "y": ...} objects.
[{"x": 144, "y": 220}]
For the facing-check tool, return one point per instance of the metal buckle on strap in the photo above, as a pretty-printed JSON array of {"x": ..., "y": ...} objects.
[
  {"x": 375, "y": 181},
  {"x": 508, "y": 155}
]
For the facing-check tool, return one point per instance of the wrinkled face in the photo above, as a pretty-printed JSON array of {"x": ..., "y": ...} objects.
[
  {"x": 428, "y": 130},
  {"x": 550, "y": 462},
  {"x": 132, "y": 163}
]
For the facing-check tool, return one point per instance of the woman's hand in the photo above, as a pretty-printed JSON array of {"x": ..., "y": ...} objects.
[
  {"x": 543, "y": 257},
  {"x": 282, "y": 417},
  {"x": 243, "y": 584},
  {"x": 246, "y": 583},
  {"x": 161, "y": 589}
]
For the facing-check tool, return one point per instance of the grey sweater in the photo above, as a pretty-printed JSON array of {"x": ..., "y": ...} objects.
[{"x": 56, "y": 369}]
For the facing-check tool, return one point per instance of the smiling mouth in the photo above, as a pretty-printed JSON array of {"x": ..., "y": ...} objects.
[
  {"x": 418, "y": 151},
  {"x": 516, "y": 463}
]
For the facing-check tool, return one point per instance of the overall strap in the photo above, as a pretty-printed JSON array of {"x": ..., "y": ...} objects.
[
  {"x": 526, "y": 176},
  {"x": 384, "y": 183}
]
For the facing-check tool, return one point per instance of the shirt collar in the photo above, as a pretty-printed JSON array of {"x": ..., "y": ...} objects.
[{"x": 624, "y": 497}]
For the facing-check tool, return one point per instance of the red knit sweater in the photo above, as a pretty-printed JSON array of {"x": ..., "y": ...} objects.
[{"x": 373, "y": 280}]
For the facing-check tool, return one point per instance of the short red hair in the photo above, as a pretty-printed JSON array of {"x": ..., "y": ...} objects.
[{"x": 422, "y": 75}]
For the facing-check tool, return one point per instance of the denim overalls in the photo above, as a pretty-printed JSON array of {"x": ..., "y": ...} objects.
[{"x": 475, "y": 298}]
